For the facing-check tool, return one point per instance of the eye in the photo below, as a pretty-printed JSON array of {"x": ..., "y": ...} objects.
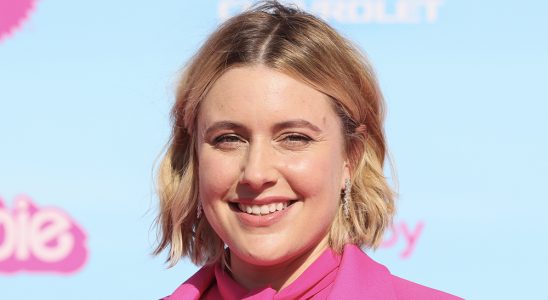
[
  {"x": 295, "y": 140},
  {"x": 228, "y": 141}
]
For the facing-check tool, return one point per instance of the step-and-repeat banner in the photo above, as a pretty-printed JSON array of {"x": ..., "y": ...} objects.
[{"x": 85, "y": 93}]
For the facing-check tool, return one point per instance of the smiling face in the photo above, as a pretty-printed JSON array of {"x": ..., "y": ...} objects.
[{"x": 271, "y": 165}]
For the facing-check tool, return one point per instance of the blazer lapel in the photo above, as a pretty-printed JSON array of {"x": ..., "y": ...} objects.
[
  {"x": 360, "y": 277},
  {"x": 196, "y": 285}
]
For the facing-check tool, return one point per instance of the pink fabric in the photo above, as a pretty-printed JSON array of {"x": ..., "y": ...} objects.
[{"x": 352, "y": 276}]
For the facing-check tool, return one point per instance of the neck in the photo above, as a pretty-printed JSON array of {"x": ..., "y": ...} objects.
[{"x": 278, "y": 276}]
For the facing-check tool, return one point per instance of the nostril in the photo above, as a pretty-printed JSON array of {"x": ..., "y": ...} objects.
[
  {"x": 253, "y": 187},
  {"x": 258, "y": 168},
  {"x": 258, "y": 181}
]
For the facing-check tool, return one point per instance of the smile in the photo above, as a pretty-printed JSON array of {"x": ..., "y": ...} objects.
[
  {"x": 264, "y": 209},
  {"x": 263, "y": 212}
]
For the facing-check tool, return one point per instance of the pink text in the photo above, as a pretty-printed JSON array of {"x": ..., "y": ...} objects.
[
  {"x": 401, "y": 231},
  {"x": 39, "y": 239}
]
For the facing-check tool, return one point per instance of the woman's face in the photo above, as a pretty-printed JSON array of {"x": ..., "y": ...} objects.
[{"x": 271, "y": 164}]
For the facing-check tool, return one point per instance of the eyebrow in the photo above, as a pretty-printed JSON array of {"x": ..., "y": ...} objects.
[
  {"x": 298, "y": 123},
  {"x": 230, "y": 125},
  {"x": 223, "y": 125}
]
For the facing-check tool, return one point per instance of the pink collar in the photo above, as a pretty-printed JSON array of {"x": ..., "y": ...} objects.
[
  {"x": 315, "y": 279},
  {"x": 354, "y": 276}
]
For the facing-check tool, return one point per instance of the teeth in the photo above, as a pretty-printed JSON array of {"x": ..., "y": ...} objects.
[{"x": 262, "y": 209}]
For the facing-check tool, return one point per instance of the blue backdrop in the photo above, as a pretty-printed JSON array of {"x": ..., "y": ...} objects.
[{"x": 85, "y": 93}]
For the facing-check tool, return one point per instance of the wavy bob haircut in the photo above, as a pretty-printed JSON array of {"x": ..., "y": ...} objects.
[{"x": 300, "y": 45}]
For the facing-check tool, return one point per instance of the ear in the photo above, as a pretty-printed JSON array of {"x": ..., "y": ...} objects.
[{"x": 345, "y": 174}]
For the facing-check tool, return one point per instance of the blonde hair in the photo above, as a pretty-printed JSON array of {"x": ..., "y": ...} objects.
[{"x": 300, "y": 45}]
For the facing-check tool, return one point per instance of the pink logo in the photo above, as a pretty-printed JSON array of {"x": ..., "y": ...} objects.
[
  {"x": 409, "y": 235},
  {"x": 37, "y": 239},
  {"x": 12, "y": 15}
]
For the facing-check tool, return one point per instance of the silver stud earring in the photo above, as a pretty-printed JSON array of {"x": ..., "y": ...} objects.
[
  {"x": 199, "y": 210},
  {"x": 346, "y": 198}
]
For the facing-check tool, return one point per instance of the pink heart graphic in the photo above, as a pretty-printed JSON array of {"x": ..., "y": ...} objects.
[{"x": 12, "y": 15}]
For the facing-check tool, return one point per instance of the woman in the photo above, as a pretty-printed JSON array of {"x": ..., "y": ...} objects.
[{"x": 274, "y": 174}]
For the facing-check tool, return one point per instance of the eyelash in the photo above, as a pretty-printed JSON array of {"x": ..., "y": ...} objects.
[
  {"x": 290, "y": 139},
  {"x": 227, "y": 138},
  {"x": 297, "y": 138}
]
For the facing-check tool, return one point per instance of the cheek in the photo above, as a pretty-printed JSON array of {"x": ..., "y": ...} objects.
[
  {"x": 316, "y": 174},
  {"x": 217, "y": 174}
]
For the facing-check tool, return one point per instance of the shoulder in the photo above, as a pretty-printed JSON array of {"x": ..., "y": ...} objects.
[
  {"x": 366, "y": 278},
  {"x": 406, "y": 289},
  {"x": 195, "y": 286}
]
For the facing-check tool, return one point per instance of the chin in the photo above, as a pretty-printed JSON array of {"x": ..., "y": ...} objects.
[
  {"x": 267, "y": 254},
  {"x": 262, "y": 259},
  {"x": 270, "y": 256}
]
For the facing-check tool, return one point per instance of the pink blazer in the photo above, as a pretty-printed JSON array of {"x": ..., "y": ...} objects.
[{"x": 352, "y": 276}]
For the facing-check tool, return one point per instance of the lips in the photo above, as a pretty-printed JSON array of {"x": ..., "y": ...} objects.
[{"x": 262, "y": 212}]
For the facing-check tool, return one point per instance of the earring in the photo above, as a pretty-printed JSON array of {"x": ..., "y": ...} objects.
[
  {"x": 346, "y": 198},
  {"x": 199, "y": 210}
]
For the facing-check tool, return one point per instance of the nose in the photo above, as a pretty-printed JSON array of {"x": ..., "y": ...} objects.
[{"x": 258, "y": 167}]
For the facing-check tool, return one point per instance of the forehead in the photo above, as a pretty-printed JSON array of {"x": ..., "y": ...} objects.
[{"x": 261, "y": 93}]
